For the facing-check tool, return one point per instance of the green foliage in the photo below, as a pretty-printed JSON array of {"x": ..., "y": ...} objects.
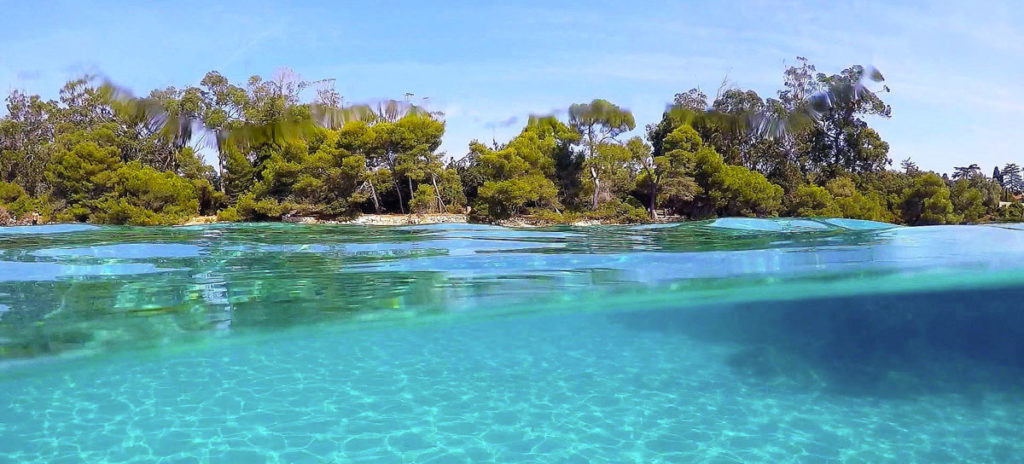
[
  {"x": 83, "y": 174},
  {"x": 968, "y": 202},
  {"x": 611, "y": 174},
  {"x": 1014, "y": 212},
  {"x": 620, "y": 212},
  {"x": 598, "y": 123},
  {"x": 424, "y": 200},
  {"x": 96, "y": 153},
  {"x": 144, "y": 196},
  {"x": 504, "y": 198},
  {"x": 728, "y": 190},
  {"x": 202, "y": 177},
  {"x": 812, "y": 200},
  {"x": 927, "y": 202},
  {"x": 600, "y": 118},
  {"x": 449, "y": 185},
  {"x": 516, "y": 176},
  {"x": 855, "y": 205},
  {"x": 665, "y": 178},
  {"x": 229, "y": 214},
  {"x": 251, "y": 209},
  {"x": 740, "y": 191},
  {"x": 239, "y": 173},
  {"x": 557, "y": 140},
  {"x": 1012, "y": 181},
  {"x": 15, "y": 202}
]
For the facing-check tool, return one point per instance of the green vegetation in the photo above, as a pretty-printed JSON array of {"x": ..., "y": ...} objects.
[{"x": 97, "y": 154}]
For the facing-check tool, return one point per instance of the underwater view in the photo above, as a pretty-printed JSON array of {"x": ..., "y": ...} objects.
[{"x": 733, "y": 340}]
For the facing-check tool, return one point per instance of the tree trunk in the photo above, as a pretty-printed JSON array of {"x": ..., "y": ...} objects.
[
  {"x": 220, "y": 166},
  {"x": 373, "y": 194},
  {"x": 440, "y": 201},
  {"x": 398, "y": 189},
  {"x": 410, "y": 193},
  {"x": 654, "y": 196},
  {"x": 597, "y": 187}
]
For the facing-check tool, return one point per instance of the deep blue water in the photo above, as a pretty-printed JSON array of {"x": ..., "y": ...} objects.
[{"x": 731, "y": 341}]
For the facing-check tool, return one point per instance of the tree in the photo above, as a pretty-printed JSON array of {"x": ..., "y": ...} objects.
[
  {"x": 665, "y": 176},
  {"x": 909, "y": 167},
  {"x": 740, "y": 191},
  {"x": 927, "y": 202},
  {"x": 692, "y": 99},
  {"x": 515, "y": 176},
  {"x": 968, "y": 202},
  {"x": 612, "y": 166},
  {"x": 1013, "y": 181},
  {"x": 418, "y": 136},
  {"x": 407, "y": 148},
  {"x": 25, "y": 136},
  {"x": 871, "y": 205},
  {"x": 842, "y": 138},
  {"x": 731, "y": 190},
  {"x": 203, "y": 179},
  {"x": 557, "y": 141},
  {"x": 812, "y": 200},
  {"x": 145, "y": 196},
  {"x": 816, "y": 125},
  {"x": 966, "y": 172},
  {"x": 598, "y": 123},
  {"x": 83, "y": 170}
]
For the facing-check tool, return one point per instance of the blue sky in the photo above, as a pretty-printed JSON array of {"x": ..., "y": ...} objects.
[{"x": 956, "y": 69}]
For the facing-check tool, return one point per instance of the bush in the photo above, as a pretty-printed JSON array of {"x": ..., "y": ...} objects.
[
  {"x": 229, "y": 215},
  {"x": 144, "y": 196},
  {"x": 508, "y": 197},
  {"x": 14, "y": 200},
  {"x": 620, "y": 212},
  {"x": 269, "y": 208},
  {"x": 968, "y": 201},
  {"x": 812, "y": 200},
  {"x": 743, "y": 192},
  {"x": 424, "y": 200},
  {"x": 927, "y": 202},
  {"x": 550, "y": 216},
  {"x": 1014, "y": 212}
]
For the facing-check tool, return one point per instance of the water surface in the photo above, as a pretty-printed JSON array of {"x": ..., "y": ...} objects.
[{"x": 737, "y": 340}]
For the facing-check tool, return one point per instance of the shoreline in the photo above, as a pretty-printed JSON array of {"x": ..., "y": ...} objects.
[
  {"x": 524, "y": 221},
  {"x": 401, "y": 220}
]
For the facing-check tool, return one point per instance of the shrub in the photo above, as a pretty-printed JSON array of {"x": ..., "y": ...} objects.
[
  {"x": 1014, "y": 212},
  {"x": 620, "y": 212},
  {"x": 144, "y": 196},
  {"x": 424, "y": 200},
  {"x": 812, "y": 200},
  {"x": 508, "y": 197},
  {"x": 269, "y": 208},
  {"x": 14, "y": 200},
  {"x": 927, "y": 202},
  {"x": 229, "y": 214},
  {"x": 743, "y": 192},
  {"x": 550, "y": 216}
]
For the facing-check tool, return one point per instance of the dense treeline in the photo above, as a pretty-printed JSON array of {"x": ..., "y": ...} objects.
[{"x": 97, "y": 154}]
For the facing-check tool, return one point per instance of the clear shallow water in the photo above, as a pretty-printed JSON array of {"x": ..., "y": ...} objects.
[{"x": 732, "y": 341}]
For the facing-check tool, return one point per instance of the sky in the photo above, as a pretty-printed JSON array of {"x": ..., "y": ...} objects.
[{"x": 955, "y": 69}]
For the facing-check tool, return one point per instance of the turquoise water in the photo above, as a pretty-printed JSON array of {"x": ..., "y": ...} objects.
[{"x": 738, "y": 340}]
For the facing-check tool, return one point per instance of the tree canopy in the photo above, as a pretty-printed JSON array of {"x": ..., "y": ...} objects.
[{"x": 98, "y": 153}]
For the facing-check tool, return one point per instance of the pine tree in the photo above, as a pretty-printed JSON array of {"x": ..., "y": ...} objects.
[{"x": 1012, "y": 180}]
